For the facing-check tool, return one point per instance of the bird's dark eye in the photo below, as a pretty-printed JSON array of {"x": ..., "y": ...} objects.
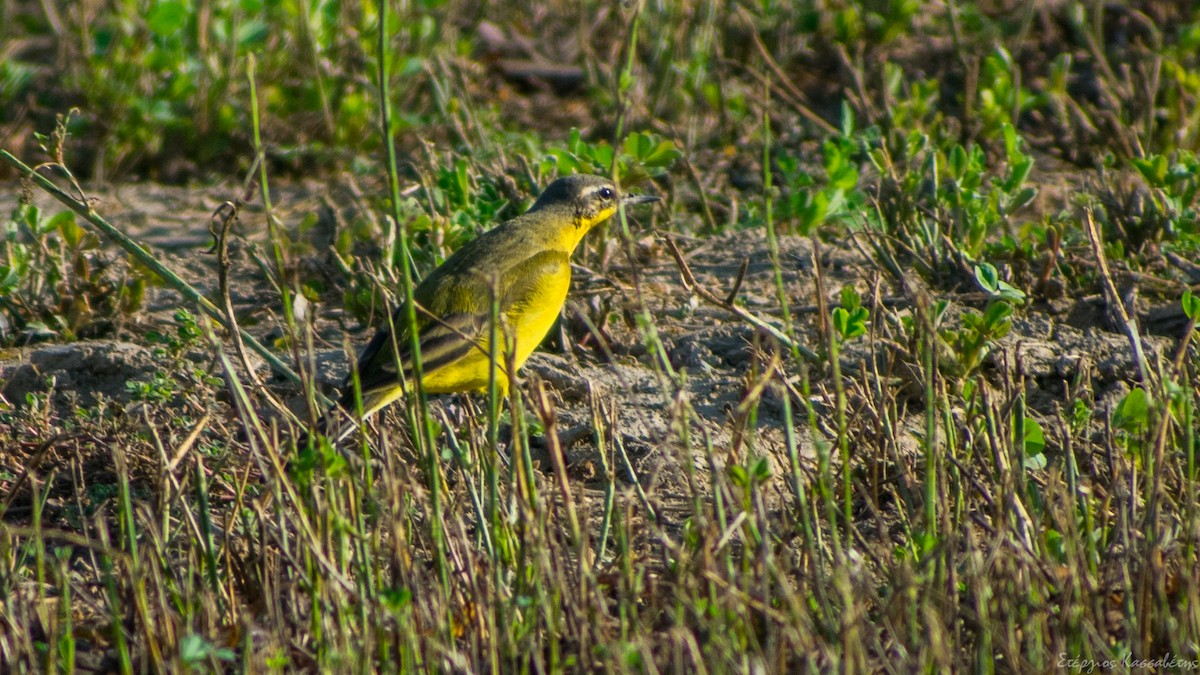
[{"x": 606, "y": 193}]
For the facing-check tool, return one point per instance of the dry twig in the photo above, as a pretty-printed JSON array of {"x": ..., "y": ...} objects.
[{"x": 726, "y": 303}]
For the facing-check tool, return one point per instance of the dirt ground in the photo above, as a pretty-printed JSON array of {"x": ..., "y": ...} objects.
[
  {"x": 1060, "y": 349},
  {"x": 1058, "y": 345}
]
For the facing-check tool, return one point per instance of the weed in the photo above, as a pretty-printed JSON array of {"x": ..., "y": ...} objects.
[{"x": 56, "y": 282}]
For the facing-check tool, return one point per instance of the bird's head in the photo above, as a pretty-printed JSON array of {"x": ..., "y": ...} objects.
[{"x": 587, "y": 200}]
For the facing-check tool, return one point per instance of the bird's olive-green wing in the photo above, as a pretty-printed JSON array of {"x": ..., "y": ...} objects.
[
  {"x": 448, "y": 327},
  {"x": 453, "y": 304}
]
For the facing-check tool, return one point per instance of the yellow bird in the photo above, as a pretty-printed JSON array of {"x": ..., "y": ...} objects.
[{"x": 526, "y": 261}]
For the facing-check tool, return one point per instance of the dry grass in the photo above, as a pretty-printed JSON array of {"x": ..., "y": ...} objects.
[{"x": 979, "y": 457}]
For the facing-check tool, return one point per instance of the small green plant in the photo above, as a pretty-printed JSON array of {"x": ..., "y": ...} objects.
[
  {"x": 869, "y": 24},
  {"x": 167, "y": 82},
  {"x": 184, "y": 376},
  {"x": 197, "y": 652},
  {"x": 972, "y": 342},
  {"x": 1001, "y": 98},
  {"x": 161, "y": 388},
  {"x": 1132, "y": 417},
  {"x": 807, "y": 203},
  {"x": 756, "y": 471},
  {"x": 641, "y": 156},
  {"x": 946, "y": 212},
  {"x": 850, "y": 319},
  {"x": 187, "y": 334},
  {"x": 998, "y": 289},
  {"x": 914, "y": 108},
  {"x": 56, "y": 281},
  {"x": 1173, "y": 189}
]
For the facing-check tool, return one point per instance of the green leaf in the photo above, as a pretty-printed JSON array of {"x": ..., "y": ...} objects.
[
  {"x": 1054, "y": 543},
  {"x": 987, "y": 276},
  {"x": 841, "y": 320},
  {"x": 396, "y": 600},
  {"x": 64, "y": 222},
  {"x": 850, "y": 320},
  {"x": 1035, "y": 439},
  {"x": 849, "y": 297},
  {"x": 565, "y": 162},
  {"x": 663, "y": 156},
  {"x": 1035, "y": 462},
  {"x": 858, "y": 322},
  {"x": 255, "y": 32},
  {"x": 1021, "y": 199},
  {"x": 1010, "y": 292},
  {"x": 814, "y": 212},
  {"x": 738, "y": 475},
  {"x": 633, "y": 145},
  {"x": 167, "y": 17},
  {"x": 989, "y": 280},
  {"x": 1154, "y": 169},
  {"x": 1012, "y": 142},
  {"x": 996, "y": 313},
  {"x": 761, "y": 470},
  {"x": 847, "y": 119},
  {"x": 1001, "y": 54},
  {"x": 8, "y": 279},
  {"x": 193, "y": 649},
  {"x": 28, "y": 214},
  {"x": 957, "y": 163},
  {"x": 1133, "y": 412},
  {"x": 1191, "y": 306},
  {"x": 625, "y": 81},
  {"x": 939, "y": 310}
]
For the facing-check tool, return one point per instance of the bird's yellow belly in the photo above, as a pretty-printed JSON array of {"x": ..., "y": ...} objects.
[
  {"x": 523, "y": 328},
  {"x": 467, "y": 374},
  {"x": 535, "y": 320}
]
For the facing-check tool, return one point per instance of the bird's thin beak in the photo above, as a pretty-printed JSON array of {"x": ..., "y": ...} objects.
[{"x": 631, "y": 200}]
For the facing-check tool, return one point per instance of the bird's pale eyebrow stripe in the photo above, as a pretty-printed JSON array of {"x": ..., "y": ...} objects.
[{"x": 593, "y": 189}]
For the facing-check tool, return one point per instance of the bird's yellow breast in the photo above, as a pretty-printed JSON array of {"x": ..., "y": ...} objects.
[{"x": 531, "y": 318}]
